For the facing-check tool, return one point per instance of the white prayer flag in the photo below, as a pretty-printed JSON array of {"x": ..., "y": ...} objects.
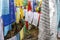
[
  {"x": 35, "y": 18},
  {"x": 26, "y": 16},
  {"x": 25, "y": 12},
  {"x": 1, "y": 30},
  {"x": 30, "y": 16}
]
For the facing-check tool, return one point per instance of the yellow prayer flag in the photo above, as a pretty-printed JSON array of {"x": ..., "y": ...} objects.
[
  {"x": 40, "y": 2},
  {"x": 37, "y": 9},
  {"x": 21, "y": 2},
  {"x": 22, "y": 34},
  {"x": 27, "y": 7},
  {"x": 18, "y": 15},
  {"x": 21, "y": 13},
  {"x": 16, "y": 2}
]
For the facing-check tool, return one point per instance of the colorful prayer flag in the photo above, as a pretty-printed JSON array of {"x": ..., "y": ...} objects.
[
  {"x": 18, "y": 36},
  {"x": 11, "y": 11},
  {"x": 29, "y": 6},
  {"x": 25, "y": 29},
  {"x": 21, "y": 13},
  {"x": 25, "y": 2},
  {"x": 21, "y": 2},
  {"x": 8, "y": 13},
  {"x": 17, "y": 3},
  {"x": 22, "y": 34},
  {"x": 5, "y": 13},
  {"x": 6, "y": 29},
  {"x": 26, "y": 24},
  {"x": 17, "y": 14},
  {"x": 34, "y": 5}
]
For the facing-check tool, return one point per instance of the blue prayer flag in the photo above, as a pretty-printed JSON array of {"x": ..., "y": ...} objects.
[
  {"x": 6, "y": 29},
  {"x": 11, "y": 10},
  {"x": 5, "y": 12},
  {"x": 34, "y": 5},
  {"x": 18, "y": 36},
  {"x": 8, "y": 13}
]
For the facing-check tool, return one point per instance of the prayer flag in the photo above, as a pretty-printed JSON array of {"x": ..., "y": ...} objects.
[
  {"x": 18, "y": 36},
  {"x": 34, "y": 5},
  {"x": 25, "y": 2},
  {"x": 21, "y": 2},
  {"x": 1, "y": 28},
  {"x": 22, "y": 34},
  {"x": 5, "y": 13},
  {"x": 29, "y": 6},
  {"x": 17, "y": 3},
  {"x": 21, "y": 13},
  {"x": 11, "y": 11},
  {"x": 17, "y": 14}
]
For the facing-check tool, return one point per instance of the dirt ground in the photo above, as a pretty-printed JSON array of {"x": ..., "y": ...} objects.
[{"x": 33, "y": 35}]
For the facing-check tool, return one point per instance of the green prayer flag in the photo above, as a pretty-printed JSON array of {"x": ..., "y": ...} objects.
[
  {"x": 25, "y": 30},
  {"x": 25, "y": 2}
]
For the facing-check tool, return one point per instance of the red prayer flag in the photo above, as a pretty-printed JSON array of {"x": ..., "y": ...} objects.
[
  {"x": 26, "y": 24},
  {"x": 29, "y": 6}
]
